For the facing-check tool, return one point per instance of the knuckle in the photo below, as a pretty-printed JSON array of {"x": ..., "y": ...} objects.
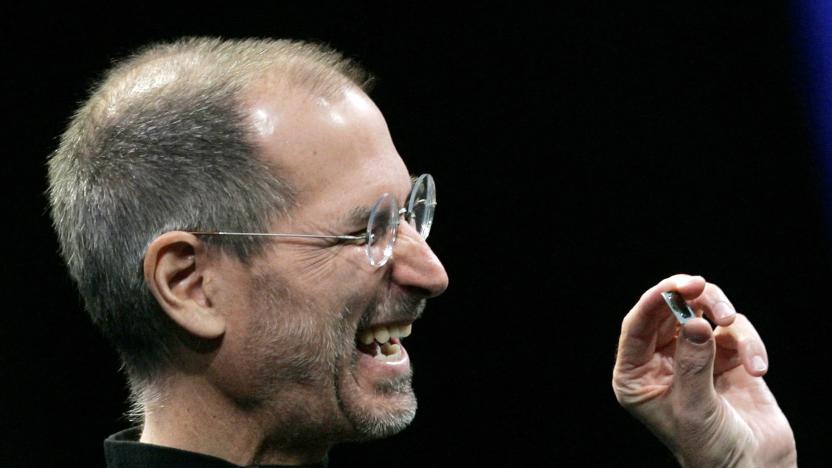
[
  {"x": 627, "y": 320},
  {"x": 715, "y": 291},
  {"x": 646, "y": 295},
  {"x": 626, "y": 394}
]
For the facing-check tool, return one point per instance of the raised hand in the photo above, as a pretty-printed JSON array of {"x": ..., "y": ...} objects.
[{"x": 700, "y": 390}]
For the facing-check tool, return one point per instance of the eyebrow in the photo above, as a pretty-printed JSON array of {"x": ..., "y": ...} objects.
[{"x": 360, "y": 214}]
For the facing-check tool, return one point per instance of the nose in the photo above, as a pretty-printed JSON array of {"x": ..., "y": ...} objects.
[{"x": 415, "y": 266}]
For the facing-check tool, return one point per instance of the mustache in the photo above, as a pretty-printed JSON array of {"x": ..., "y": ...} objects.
[{"x": 403, "y": 308}]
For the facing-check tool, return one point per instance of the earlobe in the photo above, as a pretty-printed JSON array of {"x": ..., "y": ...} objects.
[{"x": 174, "y": 272}]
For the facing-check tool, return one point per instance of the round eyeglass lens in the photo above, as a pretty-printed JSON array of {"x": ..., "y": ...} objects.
[
  {"x": 381, "y": 229},
  {"x": 422, "y": 204}
]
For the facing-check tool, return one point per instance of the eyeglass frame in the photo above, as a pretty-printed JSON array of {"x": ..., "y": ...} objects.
[{"x": 407, "y": 212}]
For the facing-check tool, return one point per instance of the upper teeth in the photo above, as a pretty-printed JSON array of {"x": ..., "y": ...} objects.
[{"x": 382, "y": 333}]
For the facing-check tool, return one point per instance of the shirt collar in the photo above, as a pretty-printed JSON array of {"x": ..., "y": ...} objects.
[{"x": 123, "y": 450}]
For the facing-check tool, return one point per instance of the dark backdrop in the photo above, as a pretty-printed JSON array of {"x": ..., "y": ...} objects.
[{"x": 581, "y": 155}]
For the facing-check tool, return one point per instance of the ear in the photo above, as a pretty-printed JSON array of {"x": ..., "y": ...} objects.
[{"x": 174, "y": 268}]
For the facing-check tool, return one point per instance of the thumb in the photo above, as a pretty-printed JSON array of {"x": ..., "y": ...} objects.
[{"x": 694, "y": 397}]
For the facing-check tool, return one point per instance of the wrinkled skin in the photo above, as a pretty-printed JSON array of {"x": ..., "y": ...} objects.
[{"x": 701, "y": 390}]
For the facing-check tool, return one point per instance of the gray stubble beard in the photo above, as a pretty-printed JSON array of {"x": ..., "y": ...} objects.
[
  {"x": 300, "y": 371},
  {"x": 368, "y": 424}
]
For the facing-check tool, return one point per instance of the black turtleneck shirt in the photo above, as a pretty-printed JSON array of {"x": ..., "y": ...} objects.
[{"x": 123, "y": 450}]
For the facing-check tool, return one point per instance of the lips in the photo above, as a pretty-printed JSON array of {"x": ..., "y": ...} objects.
[{"x": 378, "y": 340}]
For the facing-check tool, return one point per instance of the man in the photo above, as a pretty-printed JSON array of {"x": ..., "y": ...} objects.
[
  {"x": 246, "y": 348},
  {"x": 230, "y": 211}
]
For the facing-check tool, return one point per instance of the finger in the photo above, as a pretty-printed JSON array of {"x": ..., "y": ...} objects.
[
  {"x": 715, "y": 304},
  {"x": 667, "y": 330},
  {"x": 640, "y": 327},
  {"x": 693, "y": 382},
  {"x": 727, "y": 357},
  {"x": 741, "y": 337}
]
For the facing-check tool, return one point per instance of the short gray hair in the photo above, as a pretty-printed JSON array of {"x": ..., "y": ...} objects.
[{"x": 162, "y": 144}]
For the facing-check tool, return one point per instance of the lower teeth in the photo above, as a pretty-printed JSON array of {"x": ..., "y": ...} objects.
[
  {"x": 388, "y": 352},
  {"x": 390, "y": 349}
]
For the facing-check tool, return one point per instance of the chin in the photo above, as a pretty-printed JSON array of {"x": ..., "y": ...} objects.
[
  {"x": 379, "y": 410},
  {"x": 378, "y": 423}
]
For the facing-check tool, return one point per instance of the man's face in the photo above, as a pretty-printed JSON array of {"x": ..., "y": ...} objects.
[{"x": 306, "y": 301}]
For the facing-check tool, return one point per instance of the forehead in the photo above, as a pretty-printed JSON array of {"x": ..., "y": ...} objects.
[{"x": 327, "y": 144}]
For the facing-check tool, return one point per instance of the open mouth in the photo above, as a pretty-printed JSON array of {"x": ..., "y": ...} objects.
[{"x": 383, "y": 342}]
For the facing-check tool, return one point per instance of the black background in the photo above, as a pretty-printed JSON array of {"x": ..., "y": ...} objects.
[{"x": 581, "y": 155}]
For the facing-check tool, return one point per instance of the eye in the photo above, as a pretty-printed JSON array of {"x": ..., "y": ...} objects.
[{"x": 363, "y": 237}]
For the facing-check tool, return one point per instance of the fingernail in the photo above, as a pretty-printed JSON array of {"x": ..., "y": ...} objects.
[
  {"x": 695, "y": 336},
  {"x": 758, "y": 363},
  {"x": 723, "y": 310}
]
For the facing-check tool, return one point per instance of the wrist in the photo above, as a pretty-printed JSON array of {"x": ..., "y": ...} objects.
[
  {"x": 739, "y": 458},
  {"x": 733, "y": 459}
]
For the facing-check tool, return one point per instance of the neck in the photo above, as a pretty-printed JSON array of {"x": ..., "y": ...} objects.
[{"x": 192, "y": 415}]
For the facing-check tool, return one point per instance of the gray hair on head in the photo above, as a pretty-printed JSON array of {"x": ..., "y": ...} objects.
[{"x": 162, "y": 144}]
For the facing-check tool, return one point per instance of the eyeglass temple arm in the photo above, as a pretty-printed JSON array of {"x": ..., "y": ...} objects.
[{"x": 269, "y": 234}]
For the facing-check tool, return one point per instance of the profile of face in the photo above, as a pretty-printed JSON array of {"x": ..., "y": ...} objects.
[{"x": 300, "y": 315}]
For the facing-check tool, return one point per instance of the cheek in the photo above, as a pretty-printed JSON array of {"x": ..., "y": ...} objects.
[
  {"x": 354, "y": 267},
  {"x": 315, "y": 271},
  {"x": 344, "y": 279}
]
